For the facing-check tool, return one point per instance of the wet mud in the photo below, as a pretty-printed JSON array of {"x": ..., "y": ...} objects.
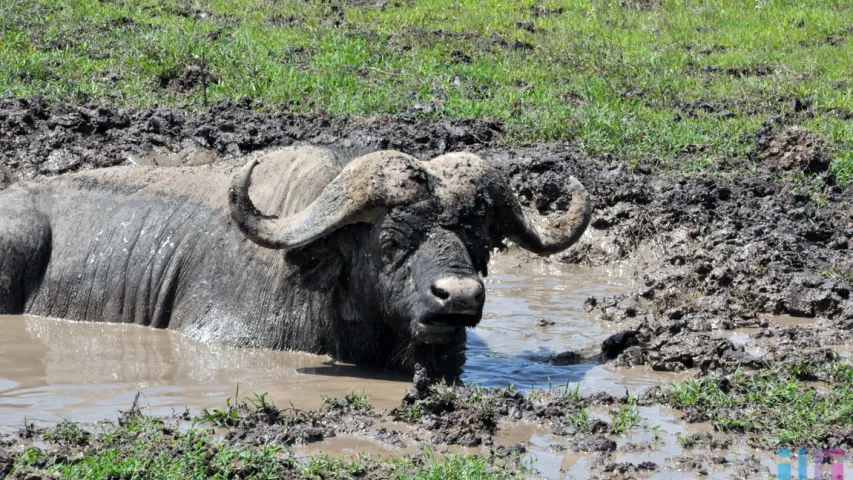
[
  {"x": 508, "y": 427},
  {"x": 748, "y": 267},
  {"x": 52, "y": 369}
]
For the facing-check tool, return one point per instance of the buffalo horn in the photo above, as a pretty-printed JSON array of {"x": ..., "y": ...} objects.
[{"x": 365, "y": 188}]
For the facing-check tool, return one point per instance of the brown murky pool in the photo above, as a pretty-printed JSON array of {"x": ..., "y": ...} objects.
[
  {"x": 534, "y": 310},
  {"x": 52, "y": 370}
]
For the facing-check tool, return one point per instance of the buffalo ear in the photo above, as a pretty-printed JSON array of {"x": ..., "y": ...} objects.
[{"x": 319, "y": 263}]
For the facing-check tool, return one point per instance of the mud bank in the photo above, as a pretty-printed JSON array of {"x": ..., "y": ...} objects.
[{"x": 724, "y": 259}]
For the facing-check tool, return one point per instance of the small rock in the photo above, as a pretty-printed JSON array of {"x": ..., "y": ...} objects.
[
  {"x": 569, "y": 357},
  {"x": 631, "y": 357},
  {"x": 619, "y": 342},
  {"x": 595, "y": 443},
  {"x": 6, "y": 178},
  {"x": 59, "y": 161}
]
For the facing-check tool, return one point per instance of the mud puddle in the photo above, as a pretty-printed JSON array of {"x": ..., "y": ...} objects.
[
  {"x": 535, "y": 332},
  {"x": 52, "y": 369}
]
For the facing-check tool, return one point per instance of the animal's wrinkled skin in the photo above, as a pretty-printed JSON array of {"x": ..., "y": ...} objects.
[{"x": 378, "y": 262}]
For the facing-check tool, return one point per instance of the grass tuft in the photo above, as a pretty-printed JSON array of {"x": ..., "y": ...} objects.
[
  {"x": 626, "y": 417},
  {"x": 777, "y": 406},
  {"x": 352, "y": 400}
]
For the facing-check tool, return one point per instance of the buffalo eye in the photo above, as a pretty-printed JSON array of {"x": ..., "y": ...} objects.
[
  {"x": 389, "y": 245},
  {"x": 479, "y": 254}
]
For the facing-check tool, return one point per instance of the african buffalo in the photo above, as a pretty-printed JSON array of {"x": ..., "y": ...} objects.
[{"x": 377, "y": 261}]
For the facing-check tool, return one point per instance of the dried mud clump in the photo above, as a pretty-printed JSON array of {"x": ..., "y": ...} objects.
[
  {"x": 796, "y": 150},
  {"x": 191, "y": 77}
]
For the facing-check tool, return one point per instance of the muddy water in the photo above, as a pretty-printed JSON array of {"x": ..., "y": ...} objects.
[
  {"x": 535, "y": 310},
  {"x": 53, "y": 369}
]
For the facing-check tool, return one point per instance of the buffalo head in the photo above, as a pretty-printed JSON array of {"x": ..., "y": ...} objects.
[{"x": 416, "y": 237}]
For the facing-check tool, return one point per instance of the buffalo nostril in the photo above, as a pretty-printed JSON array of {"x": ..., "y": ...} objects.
[
  {"x": 439, "y": 292},
  {"x": 459, "y": 294}
]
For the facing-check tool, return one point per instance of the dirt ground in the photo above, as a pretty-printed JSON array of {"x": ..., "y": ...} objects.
[{"x": 771, "y": 234}]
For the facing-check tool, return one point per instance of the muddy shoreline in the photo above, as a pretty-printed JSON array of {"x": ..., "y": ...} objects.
[{"x": 717, "y": 253}]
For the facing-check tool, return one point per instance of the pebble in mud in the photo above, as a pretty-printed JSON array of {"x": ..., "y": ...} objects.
[
  {"x": 544, "y": 322},
  {"x": 618, "y": 342},
  {"x": 593, "y": 443}
]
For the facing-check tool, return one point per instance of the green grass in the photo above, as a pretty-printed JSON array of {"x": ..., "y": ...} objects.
[
  {"x": 688, "y": 441},
  {"x": 410, "y": 414},
  {"x": 221, "y": 417},
  {"x": 68, "y": 433},
  {"x": 149, "y": 447},
  {"x": 614, "y": 79},
  {"x": 626, "y": 417},
  {"x": 354, "y": 399},
  {"x": 776, "y": 407}
]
